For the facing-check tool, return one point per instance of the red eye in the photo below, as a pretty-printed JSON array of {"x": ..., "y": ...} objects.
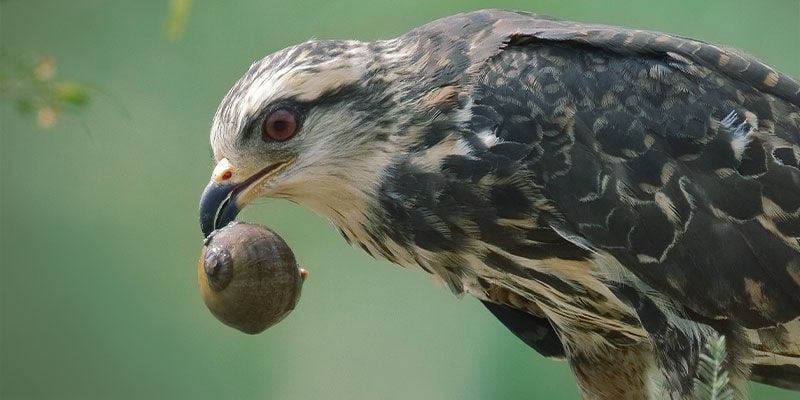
[{"x": 280, "y": 125}]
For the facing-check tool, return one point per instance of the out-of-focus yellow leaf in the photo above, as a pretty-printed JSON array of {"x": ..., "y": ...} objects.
[
  {"x": 177, "y": 18},
  {"x": 71, "y": 92}
]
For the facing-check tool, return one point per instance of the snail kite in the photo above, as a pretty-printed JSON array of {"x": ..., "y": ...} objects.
[{"x": 615, "y": 197}]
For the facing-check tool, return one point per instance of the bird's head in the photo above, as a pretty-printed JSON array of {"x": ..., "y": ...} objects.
[{"x": 315, "y": 123}]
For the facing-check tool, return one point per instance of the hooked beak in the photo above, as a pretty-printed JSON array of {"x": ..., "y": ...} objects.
[{"x": 226, "y": 194}]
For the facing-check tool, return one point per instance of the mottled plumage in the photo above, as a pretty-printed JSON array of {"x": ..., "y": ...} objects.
[{"x": 615, "y": 197}]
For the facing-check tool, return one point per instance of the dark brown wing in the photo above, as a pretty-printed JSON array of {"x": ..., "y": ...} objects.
[{"x": 677, "y": 157}]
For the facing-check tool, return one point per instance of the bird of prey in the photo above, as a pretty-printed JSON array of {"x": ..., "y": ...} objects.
[{"x": 615, "y": 197}]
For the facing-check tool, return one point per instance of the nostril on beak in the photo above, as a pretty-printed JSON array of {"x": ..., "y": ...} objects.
[{"x": 223, "y": 171}]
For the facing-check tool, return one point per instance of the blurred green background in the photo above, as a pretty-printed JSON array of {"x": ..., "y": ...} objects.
[{"x": 98, "y": 215}]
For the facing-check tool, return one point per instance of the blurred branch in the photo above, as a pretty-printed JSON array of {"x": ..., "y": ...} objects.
[
  {"x": 32, "y": 85},
  {"x": 33, "y": 88},
  {"x": 177, "y": 19}
]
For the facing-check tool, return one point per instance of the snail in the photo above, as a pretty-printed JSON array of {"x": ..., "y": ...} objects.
[{"x": 248, "y": 277}]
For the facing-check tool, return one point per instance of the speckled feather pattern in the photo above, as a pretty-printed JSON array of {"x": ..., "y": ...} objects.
[{"x": 631, "y": 192}]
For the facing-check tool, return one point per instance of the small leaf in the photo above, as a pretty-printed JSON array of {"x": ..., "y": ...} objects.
[
  {"x": 175, "y": 24},
  {"x": 71, "y": 93}
]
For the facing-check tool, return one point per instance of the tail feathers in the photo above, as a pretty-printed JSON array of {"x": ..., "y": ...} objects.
[
  {"x": 776, "y": 355},
  {"x": 785, "y": 376}
]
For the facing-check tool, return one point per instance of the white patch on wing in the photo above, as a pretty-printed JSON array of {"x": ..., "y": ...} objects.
[
  {"x": 489, "y": 138},
  {"x": 464, "y": 115},
  {"x": 741, "y": 133}
]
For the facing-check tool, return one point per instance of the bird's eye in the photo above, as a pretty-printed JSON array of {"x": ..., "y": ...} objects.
[{"x": 280, "y": 125}]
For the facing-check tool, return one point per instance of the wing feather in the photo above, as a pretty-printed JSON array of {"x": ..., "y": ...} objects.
[{"x": 677, "y": 157}]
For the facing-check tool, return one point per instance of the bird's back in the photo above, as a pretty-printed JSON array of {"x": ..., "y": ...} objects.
[{"x": 678, "y": 160}]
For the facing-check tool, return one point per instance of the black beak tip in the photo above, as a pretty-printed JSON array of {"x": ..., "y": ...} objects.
[{"x": 217, "y": 207}]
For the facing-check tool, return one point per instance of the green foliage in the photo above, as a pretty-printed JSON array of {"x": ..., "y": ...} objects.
[
  {"x": 70, "y": 92},
  {"x": 33, "y": 88},
  {"x": 177, "y": 18},
  {"x": 711, "y": 382}
]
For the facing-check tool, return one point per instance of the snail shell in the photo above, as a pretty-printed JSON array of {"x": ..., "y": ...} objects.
[{"x": 248, "y": 277}]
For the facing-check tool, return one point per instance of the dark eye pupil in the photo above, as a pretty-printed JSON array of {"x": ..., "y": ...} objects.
[{"x": 279, "y": 125}]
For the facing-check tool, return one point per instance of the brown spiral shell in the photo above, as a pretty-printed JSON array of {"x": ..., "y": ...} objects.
[{"x": 248, "y": 277}]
